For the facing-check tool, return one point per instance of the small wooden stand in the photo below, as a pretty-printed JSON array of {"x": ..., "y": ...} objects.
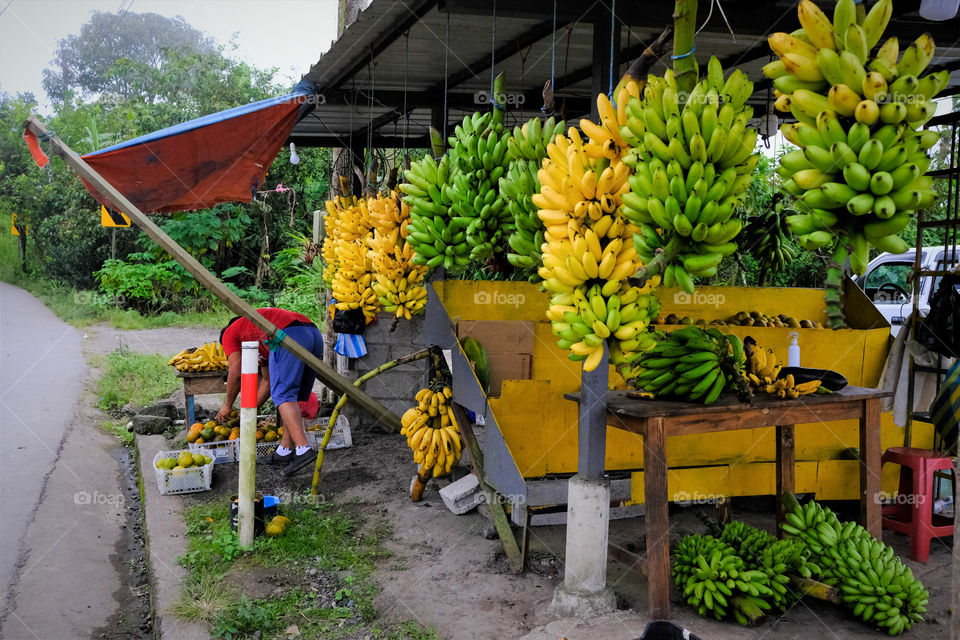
[
  {"x": 656, "y": 420},
  {"x": 200, "y": 383}
]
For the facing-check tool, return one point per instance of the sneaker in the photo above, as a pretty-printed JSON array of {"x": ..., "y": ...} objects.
[
  {"x": 299, "y": 462},
  {"x": 276, "y": 458}
]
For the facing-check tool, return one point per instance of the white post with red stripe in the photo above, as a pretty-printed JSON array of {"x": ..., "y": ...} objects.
[{"x": 247, "y": 455}]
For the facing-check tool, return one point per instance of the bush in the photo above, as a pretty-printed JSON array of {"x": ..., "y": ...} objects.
[
  {"x": 75, "y": 246},
  {"x": 149, "y": 287}
]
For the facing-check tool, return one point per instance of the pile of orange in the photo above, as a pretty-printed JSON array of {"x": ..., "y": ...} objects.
[
  {"x": 201, "y": 432},
  {"x": 268, "y": 432}
]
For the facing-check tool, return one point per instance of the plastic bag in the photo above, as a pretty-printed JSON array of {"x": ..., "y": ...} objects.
[{"x": 349, "y": 321}]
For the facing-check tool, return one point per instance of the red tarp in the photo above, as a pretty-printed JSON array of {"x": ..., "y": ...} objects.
[{"x": 222, "y": 157}]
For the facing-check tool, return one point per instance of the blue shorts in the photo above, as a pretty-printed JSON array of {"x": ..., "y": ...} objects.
[{"x": 290, "y": 379}]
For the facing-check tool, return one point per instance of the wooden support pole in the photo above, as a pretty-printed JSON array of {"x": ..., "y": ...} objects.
[
  {"x": 388, "y": 420},
  {"x": 497, "y": 513}
]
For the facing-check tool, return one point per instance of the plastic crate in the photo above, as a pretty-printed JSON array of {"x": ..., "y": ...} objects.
[
  {"x": 266, "y": 448},
  {"x": 221, "y": 451},
  {"x": 339, "y": 439},
  {"x": 189, "y": 480}
]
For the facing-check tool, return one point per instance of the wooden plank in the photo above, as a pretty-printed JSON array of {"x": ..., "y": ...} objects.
[
  {"x": 327, "y": 376},
  {"x": 657, "y": 519},
  {"x": 786, "y": 469},
  {"x": 870, "y": 468},
  {"x": 203, "y": 386}
]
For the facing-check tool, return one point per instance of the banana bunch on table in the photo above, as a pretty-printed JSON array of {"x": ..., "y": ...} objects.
[
  {"x": 209, "y": 357},
  {"x": 762, "y": 370}
]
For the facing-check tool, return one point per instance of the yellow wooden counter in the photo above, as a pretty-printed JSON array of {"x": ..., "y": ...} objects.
[{"x": 540, "y": 427}]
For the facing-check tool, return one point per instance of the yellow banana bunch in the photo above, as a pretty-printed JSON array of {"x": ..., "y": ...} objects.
[
  {"x": 347, "y": 221},
  {"x": 398, "y": 282},
  {"x": 607, "y": 138},
  {"x": 588, "y": 255},
  {"x": 762, "y": 369},
  {"x": 432, "y": 432},
  {"x": 209, "y": 357}
]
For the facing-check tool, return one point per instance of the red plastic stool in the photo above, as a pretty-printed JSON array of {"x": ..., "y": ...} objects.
[{"x": 913, "y": 512}]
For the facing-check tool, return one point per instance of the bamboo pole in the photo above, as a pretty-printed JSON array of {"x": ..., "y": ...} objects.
[
  {"x": 684, "y": 31},
  {"x": 387, "y": 419},
  {"x": 411, "y": 357}
]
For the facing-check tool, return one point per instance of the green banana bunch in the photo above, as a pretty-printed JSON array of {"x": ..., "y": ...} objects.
[
  {"x": 776, "y": 558},
  {"x": 692, "y": 165},
  {"x": 765, "y": 238},
  {"x": 437, "y": 238},
  {"x": 860, "y": 168},
  {"x": 873, "y": 582},
  {"x": 478, "y": 152},
  {"x": 584, "y": 318},
  {"x": 690, "y": 363},
  {"x": 716, "y": 581},
  {"x": 526, "y": 149}
]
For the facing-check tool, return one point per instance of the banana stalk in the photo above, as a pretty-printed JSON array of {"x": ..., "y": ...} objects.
[
  {"x": 684, "y": 27},
  {"x": 638, "y": 69}
]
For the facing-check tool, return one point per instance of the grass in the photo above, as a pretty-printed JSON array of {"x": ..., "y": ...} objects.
[
  {"x": 135, "y": 377},
  {"x": 119, "y": 430},
  {"x": 325, "y": 540},
  {"x": 81, "y": 308}
]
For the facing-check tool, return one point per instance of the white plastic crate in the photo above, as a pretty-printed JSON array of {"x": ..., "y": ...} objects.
[
  {"x": 221, "y": 452},
  {"x": 266, "y": 448},
  {"x": 340, "y": 438},
  {"x": 189, "y": 480}
]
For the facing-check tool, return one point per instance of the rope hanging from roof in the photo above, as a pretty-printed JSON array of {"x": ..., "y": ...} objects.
[
  {"x": 446, "y": 77},
  {"x": 613, "y": 26},
  {"x": 493, "y": 57}
]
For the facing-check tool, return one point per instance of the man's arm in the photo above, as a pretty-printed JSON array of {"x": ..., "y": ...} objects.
[{"x": 233, "y": 386}]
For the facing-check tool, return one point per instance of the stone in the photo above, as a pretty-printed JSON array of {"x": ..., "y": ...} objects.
[
  {"x": 150, "y": 425},
  {"x": 166, "y": 409}
]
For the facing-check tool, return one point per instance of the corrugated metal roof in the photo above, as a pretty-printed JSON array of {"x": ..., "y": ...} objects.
[{"x": 398, "y": 52}]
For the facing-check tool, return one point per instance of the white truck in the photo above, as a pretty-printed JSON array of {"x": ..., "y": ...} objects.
[{"x": 887, "y": 282}]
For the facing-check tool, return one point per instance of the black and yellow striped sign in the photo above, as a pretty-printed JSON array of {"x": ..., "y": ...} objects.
[{"x": 111, "y": 218}]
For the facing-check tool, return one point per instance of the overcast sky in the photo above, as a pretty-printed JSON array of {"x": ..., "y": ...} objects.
[{"x": 289, "y": 34}]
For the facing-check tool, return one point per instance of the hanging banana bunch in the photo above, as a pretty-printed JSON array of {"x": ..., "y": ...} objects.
[
  {"x": 348, "y": 267},
  {"x": 398, "y": 282},
  {"x": 860, "y": 170},
  {"x": 588, "y": 256},
  {"x": 766, "y": 235},
  {"x": 526, "y": 149},
  {"x": 693, "y": 162}
]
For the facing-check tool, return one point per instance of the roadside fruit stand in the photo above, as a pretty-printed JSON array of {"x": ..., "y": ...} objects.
[{"x": 565, "y": 270}]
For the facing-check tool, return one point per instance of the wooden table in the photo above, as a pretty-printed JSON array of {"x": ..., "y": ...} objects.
[
  {"x": 656, "y": 420},
  {"x": 199, "y": 383}
]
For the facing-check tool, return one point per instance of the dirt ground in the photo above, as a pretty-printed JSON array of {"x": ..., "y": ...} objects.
[{"x": 449, "y": 574}]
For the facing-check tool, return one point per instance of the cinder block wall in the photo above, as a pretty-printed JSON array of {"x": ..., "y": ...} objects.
[{"x": 397, "y": 387}]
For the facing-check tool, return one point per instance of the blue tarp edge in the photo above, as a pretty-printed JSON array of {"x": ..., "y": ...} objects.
[{"x": 303, "y": 88}]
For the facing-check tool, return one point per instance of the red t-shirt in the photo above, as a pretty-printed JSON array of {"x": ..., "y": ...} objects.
[{"x": 243, "y": 330}]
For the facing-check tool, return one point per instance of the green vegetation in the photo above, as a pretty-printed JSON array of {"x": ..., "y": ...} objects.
[
  {"x": 135, "y": 377},
  {"x": 155, "y": 72},
  {"x": 324, "y": 561},
  {"x": 119, "y": 430}
]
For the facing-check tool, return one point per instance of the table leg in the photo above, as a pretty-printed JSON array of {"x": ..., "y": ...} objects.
[
  {"x": 870, "y": 468},
  {"x": 657, "y": 519},
  {"x": 190, "y": 417},
  {"x": 786, "y": 469}
]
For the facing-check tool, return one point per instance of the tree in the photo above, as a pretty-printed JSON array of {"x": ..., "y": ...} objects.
[{"x": 85, "y": 63}]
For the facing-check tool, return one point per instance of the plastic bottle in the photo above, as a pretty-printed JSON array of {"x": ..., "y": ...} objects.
[{"x": 793, "y": 353}]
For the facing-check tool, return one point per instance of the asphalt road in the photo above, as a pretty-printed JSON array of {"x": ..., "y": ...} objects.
[{"x": 60, "y": 484}]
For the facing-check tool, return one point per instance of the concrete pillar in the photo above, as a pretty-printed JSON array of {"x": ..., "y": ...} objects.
[{"x": 583, "y": 592}]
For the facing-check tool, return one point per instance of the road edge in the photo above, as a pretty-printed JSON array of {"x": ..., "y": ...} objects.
[{"x": 164, "y": 540}]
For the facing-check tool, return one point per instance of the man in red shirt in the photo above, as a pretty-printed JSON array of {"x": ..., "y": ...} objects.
[{"x": 290, "y": 380}]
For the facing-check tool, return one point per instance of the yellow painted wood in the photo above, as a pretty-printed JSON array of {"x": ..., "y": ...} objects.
[{"x": 540, "y": 426}]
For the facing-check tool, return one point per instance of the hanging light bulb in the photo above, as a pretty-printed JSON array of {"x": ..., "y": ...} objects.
[
  {"x": 939, "y": 10},
  {"x": 294, "y": 158}
]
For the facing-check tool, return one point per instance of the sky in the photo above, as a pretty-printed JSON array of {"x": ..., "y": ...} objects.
[{"x": 289, "y": 34}]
